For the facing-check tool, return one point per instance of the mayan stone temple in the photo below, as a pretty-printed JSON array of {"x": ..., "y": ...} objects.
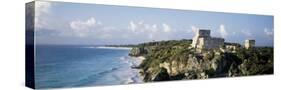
[{"x": 203, "y": 40}]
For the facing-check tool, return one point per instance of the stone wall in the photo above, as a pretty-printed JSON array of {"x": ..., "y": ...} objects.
[
  {"x": 210, "y": 43},
  {"x": 204, "y": 33}
]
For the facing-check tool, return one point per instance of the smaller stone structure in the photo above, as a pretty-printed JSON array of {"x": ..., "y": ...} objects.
[{"x": 249, "y": 43}]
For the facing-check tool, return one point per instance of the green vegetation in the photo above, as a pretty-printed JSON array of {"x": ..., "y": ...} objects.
[
  {"x": 176, "y": 60},
  {"x": 256, "y": 60}
]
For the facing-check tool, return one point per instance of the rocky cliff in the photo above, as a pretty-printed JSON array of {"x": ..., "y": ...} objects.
[{"x": 176, "y": 60}]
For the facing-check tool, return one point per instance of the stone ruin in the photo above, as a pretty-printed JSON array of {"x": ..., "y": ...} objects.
[{"x": 203, "y": 40}]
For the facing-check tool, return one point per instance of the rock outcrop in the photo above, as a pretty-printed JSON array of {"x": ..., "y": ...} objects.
[{"x": 138, "y": 51}]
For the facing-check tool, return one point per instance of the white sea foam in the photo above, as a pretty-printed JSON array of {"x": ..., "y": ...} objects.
[{"x": 132, "y": 75}]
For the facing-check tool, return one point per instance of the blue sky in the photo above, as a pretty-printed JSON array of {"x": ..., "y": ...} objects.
[{"x": 91, "y": 24}]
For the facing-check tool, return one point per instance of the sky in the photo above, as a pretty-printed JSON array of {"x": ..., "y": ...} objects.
[{"x": 58, "y": 23}]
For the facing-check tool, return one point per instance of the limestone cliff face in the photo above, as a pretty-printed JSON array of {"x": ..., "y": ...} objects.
[
  {"x": 199, "y": 68},
  {"x": 194, "y": 67},
  {"x": 138, "y": 51}
]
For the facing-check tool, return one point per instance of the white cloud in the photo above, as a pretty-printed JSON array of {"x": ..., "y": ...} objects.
[
  {"x": 154, "y": 28},
  {"x": 140, "y": 26},
  {"x": 45, "y": 19},
  {"x": 267, "y": 32},
  {"x": 84, "y": 28},
  {"x": 194, "y": 29},
  {"x": 166, "y": 27},
  {"x": 247, "y": 33},
  {"x": 149, "y": 31},
  {"x": 42, "y": 11},
  {"x": 132, "y": 26},
  {"x": 83, "y": 25},
  {"x": 222, "y": 31}
]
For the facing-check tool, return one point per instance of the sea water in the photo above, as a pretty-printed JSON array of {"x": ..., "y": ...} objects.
[{"x": 71, "y": 66}]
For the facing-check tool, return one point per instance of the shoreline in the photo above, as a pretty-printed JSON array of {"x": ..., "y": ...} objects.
[
  {"x": 135, "y": 76},
  {"x": 139, "y": 59}
]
